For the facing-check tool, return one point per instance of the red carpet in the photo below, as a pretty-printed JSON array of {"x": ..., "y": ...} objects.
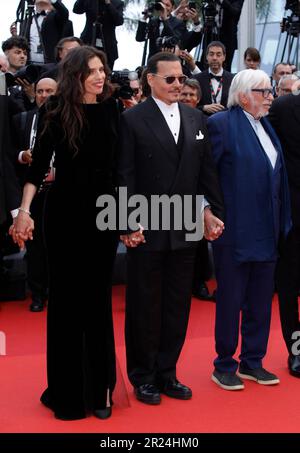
[{"x": 211, "y": 410}]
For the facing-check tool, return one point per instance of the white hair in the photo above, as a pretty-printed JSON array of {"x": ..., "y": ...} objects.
[
  {"x": 244, "y": 81},
  {"x": 287, "y": 77}
]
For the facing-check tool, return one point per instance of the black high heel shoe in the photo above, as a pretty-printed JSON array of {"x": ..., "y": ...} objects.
[{"x": 103, "y": 413}]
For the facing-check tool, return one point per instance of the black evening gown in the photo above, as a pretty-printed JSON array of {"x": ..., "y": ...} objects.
[{"x": 80, "y": 341}]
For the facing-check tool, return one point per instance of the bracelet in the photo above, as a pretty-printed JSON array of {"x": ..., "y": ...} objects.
[{"x": 24, "y": 210}]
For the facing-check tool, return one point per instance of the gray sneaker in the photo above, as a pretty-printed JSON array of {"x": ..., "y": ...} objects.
[
  {"x": 227, "y": 381},
  {"x": 259, "y": 375}
]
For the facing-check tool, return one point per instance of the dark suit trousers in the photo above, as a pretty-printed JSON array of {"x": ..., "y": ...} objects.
[
  {"x": 288, "y": 282},
  {"x": 158, "y": 298},
  {"x": 246, "y": 288}
]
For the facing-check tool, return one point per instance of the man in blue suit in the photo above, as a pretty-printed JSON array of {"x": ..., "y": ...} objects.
[{"x": 253, "y": 178}]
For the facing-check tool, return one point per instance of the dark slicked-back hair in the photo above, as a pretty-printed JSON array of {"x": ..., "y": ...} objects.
[
  {"x": 156, "y": 58},
  {"x": 59, "y": 46},
  {"x": 74, "y": 70}
]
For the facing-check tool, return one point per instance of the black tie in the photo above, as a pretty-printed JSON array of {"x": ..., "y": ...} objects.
[
  {"x": 213, "y": 76},
  {"x": 42, "y": 13}
]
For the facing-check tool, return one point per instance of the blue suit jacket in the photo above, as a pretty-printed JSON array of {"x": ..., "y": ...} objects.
[{"x": 255, "y": 195}]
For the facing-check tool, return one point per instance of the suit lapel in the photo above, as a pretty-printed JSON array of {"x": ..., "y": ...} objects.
[
  {"x": 189, "y": 136},
  {"x": 156, "y": 122}
]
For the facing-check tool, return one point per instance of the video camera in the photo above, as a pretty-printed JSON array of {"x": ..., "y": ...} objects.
[
  {"x": 209, "y": 11},
  {"x": 122, "y": 80},
  {"x": 291, "y": 24},
  {"x": 166, "y": 41},
  {"x": 29, "y": 73},
  {"x": 152, "y": 7}
]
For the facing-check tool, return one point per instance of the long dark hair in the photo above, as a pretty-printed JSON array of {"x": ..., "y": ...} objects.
[{"x": 73, "y": 71}]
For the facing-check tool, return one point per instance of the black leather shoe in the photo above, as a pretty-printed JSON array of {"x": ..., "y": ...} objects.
[
  {"x": 147, "y": 393},
  {"x": 175, "y": 389},
  {"x": 37, "y": 305},
  {"x": 202, "y": 292},
  {"x": 103, "y": 413},
  {"x": 294, "y": 365}
]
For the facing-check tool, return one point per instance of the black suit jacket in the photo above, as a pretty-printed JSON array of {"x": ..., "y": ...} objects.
[
  {"x": 285, "y": 118},
  {"x": 111, "y": 17},
  {"x": 203, "y": 78},
  {"x": 10, "y": 191},
  {"x": 54, "y": 27},
  {"x": 149, "y": 164},
  {"x": 21, "y": 125},
  {"x": 172, "y": 27}
]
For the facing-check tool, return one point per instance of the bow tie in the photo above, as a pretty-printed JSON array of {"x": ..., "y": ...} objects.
[
  {"x": 42, "y": 13},
  {"x": 213, "y": 76}
]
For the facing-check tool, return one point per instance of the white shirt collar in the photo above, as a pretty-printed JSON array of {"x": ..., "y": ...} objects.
[
  {"x": 220, "y": 73},
  {"x": 251, "y": 118},
  {"x": 168, "y": 108}
]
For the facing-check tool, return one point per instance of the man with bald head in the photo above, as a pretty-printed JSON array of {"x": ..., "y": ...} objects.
[{"x": 24, "y": 134}]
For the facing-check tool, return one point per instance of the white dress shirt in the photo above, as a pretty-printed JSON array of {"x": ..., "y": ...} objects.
[
  {"x": 215, "y": 85},
  {"x": 172, "y": 116},
  {"x": 264, "y": 138}
]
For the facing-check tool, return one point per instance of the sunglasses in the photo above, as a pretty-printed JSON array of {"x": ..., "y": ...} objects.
[
  {"x": 264, "y": 91},
  {"x": 171, "y": 79}
]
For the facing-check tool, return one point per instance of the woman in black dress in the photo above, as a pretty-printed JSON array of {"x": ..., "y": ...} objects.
[{"x": 81, "y": 125}]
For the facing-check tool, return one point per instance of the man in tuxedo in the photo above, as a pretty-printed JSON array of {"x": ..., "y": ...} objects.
[
  {"x": 44, "y": 28},
  {"x": 285, "y": 118},
  {"x": 10, "y": 191},
  {"x": 25, "y": 125},
  {"x": 102, "y": 18},
  {"x": 164, "y": 150},
  {"x": 165, "y": 25},
  {"x": 215, "y": 81}
]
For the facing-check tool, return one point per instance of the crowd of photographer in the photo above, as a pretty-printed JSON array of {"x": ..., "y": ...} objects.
[{"x": 34, "y": 62}]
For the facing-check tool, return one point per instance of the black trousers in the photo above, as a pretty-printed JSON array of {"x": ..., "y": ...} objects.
[
  {"x": 158, "y": 299},
  {"x": 202, "y": 270},
  {"x": 288, "y": 282}
]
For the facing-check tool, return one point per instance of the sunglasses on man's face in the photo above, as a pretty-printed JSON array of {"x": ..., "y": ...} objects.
[{"x": 171, "y": 79}]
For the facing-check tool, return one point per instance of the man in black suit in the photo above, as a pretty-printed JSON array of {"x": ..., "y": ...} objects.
[
  {"x": 44, "y": 28},
  {"x": 25, "y": 125},
  {"x": 10, "y": 191},
  {"x": 102, "y": 18},
  {"x": 285, "y": 118},
  {"x": 165, "y": 25},
  {"x": 164, "y": 151},
  {"x": 215, "y": 81}
]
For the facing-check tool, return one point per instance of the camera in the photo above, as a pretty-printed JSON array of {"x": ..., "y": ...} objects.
[
  {"x": 192, "y": 5},
  {"x": 209, "y": 11},
  {"x": 293, "y": 5},
  {"x": 291, "y": 24},
  {"x": 152, "y": 7},
  {"x": 29, "y": 73},
  {"x": 122, "y": 80},
  {"x": 166, "y": 41}
]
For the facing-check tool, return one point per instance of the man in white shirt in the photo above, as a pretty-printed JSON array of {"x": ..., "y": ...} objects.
[
  {"x": 43, "y": 28},
  {"x": 253, "y": 177},
  {"x": 164, "y": 151}
]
